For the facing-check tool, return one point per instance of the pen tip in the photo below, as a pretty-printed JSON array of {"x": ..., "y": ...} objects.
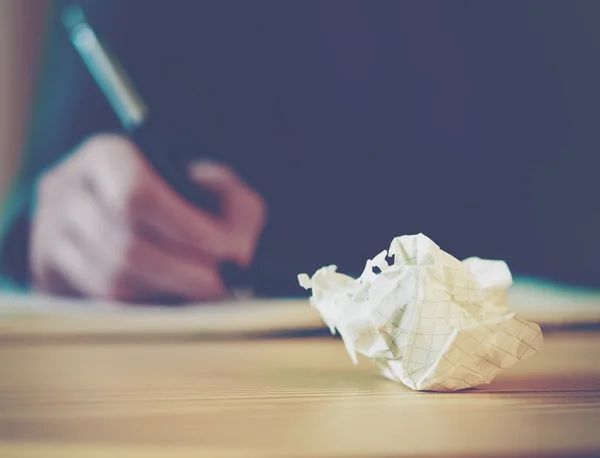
[{"x": 72, "y": 16}]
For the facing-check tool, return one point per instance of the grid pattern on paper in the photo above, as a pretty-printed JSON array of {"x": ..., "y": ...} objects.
[{"x": 438, "y": 337}]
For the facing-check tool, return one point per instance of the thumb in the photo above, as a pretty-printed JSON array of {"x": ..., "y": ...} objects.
[
  {"x": 244, "y": 211},
  {"x": 218, "y": 178}
]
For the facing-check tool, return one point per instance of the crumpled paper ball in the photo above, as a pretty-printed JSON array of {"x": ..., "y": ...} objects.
[{"x": 428, "y": 320}]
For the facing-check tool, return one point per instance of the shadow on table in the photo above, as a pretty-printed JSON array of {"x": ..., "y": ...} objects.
[{"x": 544, "y": 384}]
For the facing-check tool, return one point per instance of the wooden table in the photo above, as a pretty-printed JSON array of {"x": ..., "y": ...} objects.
[{"x": 283, "y": 397}]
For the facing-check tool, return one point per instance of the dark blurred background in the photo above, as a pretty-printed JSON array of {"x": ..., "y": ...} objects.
[{"x": 472, "y": 122}]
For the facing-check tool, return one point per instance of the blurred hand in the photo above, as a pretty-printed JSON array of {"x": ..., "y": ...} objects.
[{"x": 107, "y": 226}]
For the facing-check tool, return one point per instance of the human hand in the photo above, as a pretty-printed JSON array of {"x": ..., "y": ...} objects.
[{"x": 107, "y": 226}]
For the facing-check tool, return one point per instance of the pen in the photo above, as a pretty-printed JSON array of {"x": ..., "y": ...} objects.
[{"x": 138, "y": 121}]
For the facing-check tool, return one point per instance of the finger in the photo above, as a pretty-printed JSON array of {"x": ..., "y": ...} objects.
[
  {"x": 243, "y": 206},
  {"x": 138, "y": 265},
  {"x": 244, "y": 210},
  {"x": 69, "y": 272},
  {"x": 57, "y": 266},
  {"x": 172, "y": 272},
  {"x": 177, "y": 220},
  {"x": 52, "y": 281},
  {"x": 220, "y": 179},
  {"x": 126, "y": 183},
  {"x": 83, "y": 248},
  {"x": 99, "y": 233}
]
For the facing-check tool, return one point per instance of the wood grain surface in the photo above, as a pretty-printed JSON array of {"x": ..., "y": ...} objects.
[{"x": 284, "y": 397}]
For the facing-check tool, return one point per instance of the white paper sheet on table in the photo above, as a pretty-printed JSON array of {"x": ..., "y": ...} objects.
[
  {"x": 25, "y": 316},
  {"x": 428, "y": 320},
  {"x": 549, "y": 304}
]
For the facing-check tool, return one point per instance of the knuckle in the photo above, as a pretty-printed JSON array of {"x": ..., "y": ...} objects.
[
  {"x": 106, "y": 144},
  {"x": 117, "y": 156}
]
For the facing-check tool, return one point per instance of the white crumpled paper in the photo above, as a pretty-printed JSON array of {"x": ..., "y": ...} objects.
[{"x": 429, "y": 320}]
